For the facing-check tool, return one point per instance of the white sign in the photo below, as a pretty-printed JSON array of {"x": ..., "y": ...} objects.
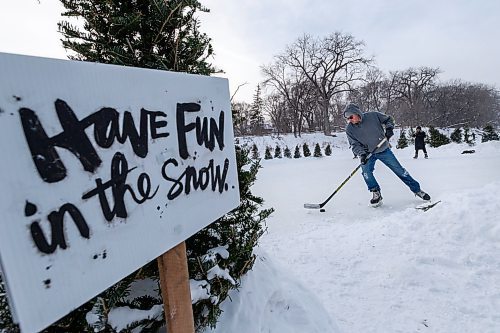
[{"x": 103, "y": 169}]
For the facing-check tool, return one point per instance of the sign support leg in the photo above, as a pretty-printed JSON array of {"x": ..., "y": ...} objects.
[{"x": 174, "y": 283}]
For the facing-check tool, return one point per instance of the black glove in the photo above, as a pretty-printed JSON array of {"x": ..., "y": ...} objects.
[
  {"x": 363, "y": 158},
  {"x": 388, "y": 133}
]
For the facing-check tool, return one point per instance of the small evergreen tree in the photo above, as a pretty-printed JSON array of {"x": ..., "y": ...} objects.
[
  {"x": 489, "y": 134},
  {"x": 277, "y": 152},
  {"x": 256, "y": 113},
  {"x": 411, "y": 136},
  {"x": 305, "y": 150},
  {"x": 468, "y": 138},
  {"x": 287, "y": 152},
  {"x": 296, "y": 154},
  {"x": 437, "y": 138},
  {"x": 267, "y": 154},
  {"x": 255, "y": 152},
  {"x": 402, "y": 141},
  {"x": 328, "y": 150},
  {"x": 317, "y": 151},
  {"x": 456, "y": 136}
]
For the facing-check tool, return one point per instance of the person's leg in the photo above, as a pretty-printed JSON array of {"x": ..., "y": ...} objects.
[
  {"x": 425, "y": 152},
  {"x": 367, "y": 170},
  {"x": 388, "y": 158},
  {"x": 416, "y": 153}
]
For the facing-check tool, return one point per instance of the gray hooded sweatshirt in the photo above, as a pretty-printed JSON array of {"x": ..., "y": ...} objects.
[{"x": 366, "y": 135}]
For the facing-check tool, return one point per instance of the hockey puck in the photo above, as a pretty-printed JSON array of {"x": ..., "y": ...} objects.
[{"x": 322, "y": 210}]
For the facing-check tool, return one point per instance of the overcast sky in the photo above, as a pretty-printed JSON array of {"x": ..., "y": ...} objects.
[{"x": 461, "y": 37}]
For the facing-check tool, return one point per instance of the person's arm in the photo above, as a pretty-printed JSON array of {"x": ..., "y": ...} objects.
[
  {"x": 386, "y": 120},
  {"x": 388, "y": 123}
]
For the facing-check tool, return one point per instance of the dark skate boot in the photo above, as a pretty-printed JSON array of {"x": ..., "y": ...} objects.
[{"x": 377, "y": 199}]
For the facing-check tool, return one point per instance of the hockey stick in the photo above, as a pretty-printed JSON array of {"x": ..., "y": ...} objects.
[{"x": 320, "y": 205}]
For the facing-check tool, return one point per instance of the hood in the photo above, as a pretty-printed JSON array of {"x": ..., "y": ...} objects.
[{"x": 351, "y": 109}]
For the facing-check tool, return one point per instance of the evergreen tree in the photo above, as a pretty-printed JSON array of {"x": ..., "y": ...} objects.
[
  {"x": 468, "y": 138},
  {"x": 161, "y": 35},
  {"x": 239, "y": 231},
  {"x": 489, "y": 134},
  {"x": 277, "y": 152},
  {"x": 256, "y": 114},
  {"x": 402, "y": 141},
  {"x": 456, "y": 136},
  {"x": 149, "y": 34},
  {"x": 437, "y": 138},
  {"x": 287, "y": 152},
  {"x": 255, "y": 152},
  {"x": 305, "y": 150},
  {"x": 296, "y": 154},
  {"x": 267, "y": 154},
  {"x": 317, "y": 151},
  {"x": 411, "y": 136},
  {"x": 328, "y": 150}
]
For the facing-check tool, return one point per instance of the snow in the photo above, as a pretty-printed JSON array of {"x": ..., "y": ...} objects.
[
  {"x": 119, "y": 318},
  {"x": 355, "y": 268}
]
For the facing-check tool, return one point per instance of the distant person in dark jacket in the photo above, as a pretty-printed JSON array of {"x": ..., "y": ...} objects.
[
  {"x": 420, "y": 142},
  {"x": 365, "y": 132}
]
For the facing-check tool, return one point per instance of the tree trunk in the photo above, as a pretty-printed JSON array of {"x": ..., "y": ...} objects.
[{"x": 326, "y": 119}]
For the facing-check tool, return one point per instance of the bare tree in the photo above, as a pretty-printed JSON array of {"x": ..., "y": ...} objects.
[
  {"x": 458, "y": 103},
  {"x": 413, "y": 88},
  {"x": 241, "y": 117},
  {"x": 275, "y": 108},
  {"x": 332, "y": 64},
  {"x": 370, "y": 95},
  {"x": 294, "y": 88}
]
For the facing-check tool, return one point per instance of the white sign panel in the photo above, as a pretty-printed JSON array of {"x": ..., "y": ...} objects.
[{"x": 103, "y": 169}]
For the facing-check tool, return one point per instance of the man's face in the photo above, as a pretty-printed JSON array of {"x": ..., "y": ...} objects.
[{"x": 354, "y": 119}]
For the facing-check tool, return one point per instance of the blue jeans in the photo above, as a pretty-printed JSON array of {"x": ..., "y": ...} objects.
[{"x": 388, "y": 158}]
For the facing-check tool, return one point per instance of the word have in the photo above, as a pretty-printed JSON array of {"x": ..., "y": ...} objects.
[{"x": 73, "y": 137}]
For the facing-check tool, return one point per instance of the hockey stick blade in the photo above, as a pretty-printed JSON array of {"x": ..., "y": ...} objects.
[{"x": 312, "y": 206}]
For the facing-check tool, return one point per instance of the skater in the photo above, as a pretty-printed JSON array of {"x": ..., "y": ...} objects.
[
  {"x": 420, "y": 142},
  {"x": 365, "y": 131}
]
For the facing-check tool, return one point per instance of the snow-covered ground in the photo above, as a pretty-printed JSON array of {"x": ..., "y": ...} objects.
[{"x": 355, "y": 268}]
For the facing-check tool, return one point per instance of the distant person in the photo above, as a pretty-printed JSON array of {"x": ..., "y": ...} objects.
[
  {"x": 365, "y": 131},
  {"x": 420, "y": 142}
]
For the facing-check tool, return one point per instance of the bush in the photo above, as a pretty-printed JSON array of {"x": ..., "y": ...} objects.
[
  {"x": 296, "y": 154},
  {"x": 287, "y": 152},
  {"x": 277, "y": 152},
  {"x": 489, "y": 134},
  {"x": 402, "y": 141},
  {"x": 267, "y": 154},
  {"x": 317, "y": 151},
  {"x": 469, "y": 137},
  {"x": 328, "y": 150},
  {"x": 305, "y": 149},
  {"x": 456, "y": 136},
  {"x": 437, "y": 138},
  {"x": 255, "y": 152}
]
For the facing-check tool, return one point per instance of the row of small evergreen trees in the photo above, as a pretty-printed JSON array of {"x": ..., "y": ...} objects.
[
  {"x": 459, "y": 135},
  {"x": 300, "y": 150}
]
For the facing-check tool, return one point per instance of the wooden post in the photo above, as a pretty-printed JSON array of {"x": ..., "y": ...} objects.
[{"x": 175, "y": 291}]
